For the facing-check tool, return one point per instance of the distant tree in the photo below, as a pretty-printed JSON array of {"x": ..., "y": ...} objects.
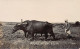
[{"x": 77, "y": 23}]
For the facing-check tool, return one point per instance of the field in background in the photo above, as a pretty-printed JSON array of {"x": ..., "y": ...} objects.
[{"x": 18, "y": 41}]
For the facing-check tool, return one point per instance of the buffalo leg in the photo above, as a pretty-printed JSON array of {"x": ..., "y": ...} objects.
[
  {"x": 52, "y": 34},
  {"x": 46, "y": 35},
  {"x": 25, "y": 34},
  {"x": 32, "y": 34},
  {"x": 41, "y": 34},
  {"x": 35, "y": 34}
]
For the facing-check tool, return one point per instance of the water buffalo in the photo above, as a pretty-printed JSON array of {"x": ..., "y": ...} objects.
[{"x": 34, "y": 26}]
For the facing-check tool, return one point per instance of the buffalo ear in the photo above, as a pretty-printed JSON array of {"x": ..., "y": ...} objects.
[{"x": 18, "y": 24}]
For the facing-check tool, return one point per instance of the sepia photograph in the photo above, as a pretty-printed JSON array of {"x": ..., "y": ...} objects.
[{"x": 39, "y": 24}]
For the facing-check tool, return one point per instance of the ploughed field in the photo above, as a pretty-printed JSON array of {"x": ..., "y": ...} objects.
[{"x": 18, "y": 40}]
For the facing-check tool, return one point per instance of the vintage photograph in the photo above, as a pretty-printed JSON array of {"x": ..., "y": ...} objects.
[{"x": 39, "y": 24}]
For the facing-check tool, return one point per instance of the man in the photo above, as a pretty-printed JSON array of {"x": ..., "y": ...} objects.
[{"x": 67, "y": 29}]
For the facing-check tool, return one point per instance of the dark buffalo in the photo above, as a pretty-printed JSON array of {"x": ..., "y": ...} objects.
[{"x": 34, "y": 26}]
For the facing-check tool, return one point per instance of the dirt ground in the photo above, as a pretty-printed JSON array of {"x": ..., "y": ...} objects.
[{"x": 18, "y": 41}]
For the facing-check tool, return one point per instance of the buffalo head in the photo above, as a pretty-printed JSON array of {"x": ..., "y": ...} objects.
[
  {"x": 20, "y": 26},
  {"x": 16, "y": 27}
]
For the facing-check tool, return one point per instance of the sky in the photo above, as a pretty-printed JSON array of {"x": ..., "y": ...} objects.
[{"x": 42, "y": 10}]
